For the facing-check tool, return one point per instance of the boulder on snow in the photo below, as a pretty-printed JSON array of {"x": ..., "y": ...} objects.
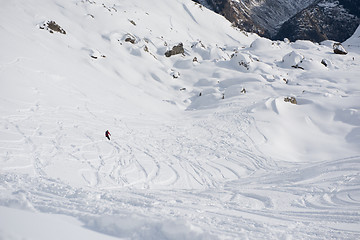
[
  {"x": 325, "y": 62},
  {"x": 297, "y": 66},
  {"x": 130, "y": 38},
  {"x": 339, "y": 49},
  {"x": 175, "y": 74},
  {"x": 132, "y": 22},
  {"x": 95, "y": 54},
  {"x": 178, "y": 49},
  {"x": 52, "y": 27},
  {"x": 291, "y": 100}
]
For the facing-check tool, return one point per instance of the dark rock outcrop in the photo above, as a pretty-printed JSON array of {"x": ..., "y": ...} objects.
[
  {"x": 339, "y": 49},
  {"x": 324, "y": 62},
  {"x": 52, "y": 27},
  {"x": 290, "y": 100},
  {"x": 130, "y": 38},
  {"x": 314, "y": 20},
  {"x": 178, "y": 49},
  {"x": 263, "y": 17}
]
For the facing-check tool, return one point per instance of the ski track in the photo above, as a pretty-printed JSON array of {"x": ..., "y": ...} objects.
[
  {"x": 237, "y": 201},
  {"x": 215, "y": 163},
  {"x": 205, "y": 165},
  {"x": 185, "y": 153},
  {"x": 219, "y": 170}
]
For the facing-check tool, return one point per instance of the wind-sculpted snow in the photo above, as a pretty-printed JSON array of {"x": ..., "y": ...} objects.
[{"x": 204, "y": 144}]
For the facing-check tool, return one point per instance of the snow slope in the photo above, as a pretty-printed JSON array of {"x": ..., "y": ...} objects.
[{"x": 200, "y": 149}]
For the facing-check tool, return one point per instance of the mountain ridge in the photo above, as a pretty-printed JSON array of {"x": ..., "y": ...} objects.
[
  {"x": 279, "y": 19},
  {"x": 322, "y": 20}
]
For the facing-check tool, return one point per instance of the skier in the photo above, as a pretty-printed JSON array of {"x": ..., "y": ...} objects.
[{"x": 107, "y": 134}]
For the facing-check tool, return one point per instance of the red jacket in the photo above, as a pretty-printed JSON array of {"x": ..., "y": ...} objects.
[{"x": 107, "y": 134}]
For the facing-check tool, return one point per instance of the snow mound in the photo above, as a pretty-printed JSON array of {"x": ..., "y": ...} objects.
[
  {"x": 208, "y": 97},
  {"x": 292, "y": 59},
  {"x": 261, "y": 44},
  {"x": 241, "y": 62},
  {"x": 142, "y": 227}
]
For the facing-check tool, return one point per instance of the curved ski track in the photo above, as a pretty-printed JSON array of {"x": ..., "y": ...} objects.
[{"x": 183, "y": 154}]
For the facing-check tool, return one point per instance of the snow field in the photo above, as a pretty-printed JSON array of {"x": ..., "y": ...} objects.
[{"x": 204, "y": 149}]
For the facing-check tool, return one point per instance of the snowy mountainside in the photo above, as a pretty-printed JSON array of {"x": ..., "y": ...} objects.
[
  {"x": 354, "y": 41},
  {"x": 237, "y": 136}
]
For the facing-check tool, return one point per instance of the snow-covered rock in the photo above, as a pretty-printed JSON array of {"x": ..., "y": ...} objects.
[
  {"x": 339, "y": 49},
  {"x": 292, "y": 59}
]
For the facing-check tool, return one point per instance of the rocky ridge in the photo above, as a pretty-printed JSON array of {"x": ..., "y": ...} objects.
[
  {"x": 323, "y": 20},
  {"x": 314, "y": 20},
  {"x": 263, "y": 17}
]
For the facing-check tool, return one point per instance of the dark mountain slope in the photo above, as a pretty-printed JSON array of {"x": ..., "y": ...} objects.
[
  {"x": 325, "y": 19},
  {"x": 263, "y": 17},
  {"x": 314, "y": 20}
]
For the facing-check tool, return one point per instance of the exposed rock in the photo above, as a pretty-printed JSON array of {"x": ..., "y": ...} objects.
[
  {"x": 130, "y": 38},
  {"x": 244, "y": 64},
  {"x": 175, "y": 74},
  {"x": 324, "y": 62},
  {"x": 95, "y": 54},
  {"x": 339, "y": 49},
  {"x": 297, "y": 66},
  {"x": 291, "y": 100},
  {"x": 327, "y": 63},
  {"x": 179, "y": 49},
  {"x": 146, "y": 49},
  {"x": 242, "y": 60},
  {"x": 52, "y": 27},
  {"x": 110, "y": 9}
]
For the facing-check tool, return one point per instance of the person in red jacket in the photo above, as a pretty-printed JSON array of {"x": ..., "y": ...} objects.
[{"x": 107, "y": 134}]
